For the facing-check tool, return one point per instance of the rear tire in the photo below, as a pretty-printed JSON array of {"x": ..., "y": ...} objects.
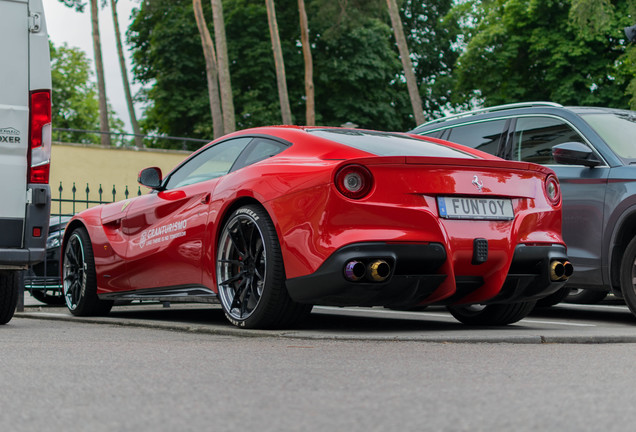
[
  {"x": 54, "y": 298},
  {"x": 9, "y": 291},
  {"x": 491, "y": 315},
  {"x": 79, "y": 279},
  {"x": 251, "y": 275},
  {"x": 554, "y": 298},
  {"x": 628, "y": 276},
  {"x": 585, "y": 296}
]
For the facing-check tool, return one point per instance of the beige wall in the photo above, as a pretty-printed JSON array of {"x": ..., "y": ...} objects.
[{"x": 107, "y": 166}]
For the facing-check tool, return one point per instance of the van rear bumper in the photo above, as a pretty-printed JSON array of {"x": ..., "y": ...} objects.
[
  {"x": 16, "y": 259},
  {"x": 24, "y": 241}
]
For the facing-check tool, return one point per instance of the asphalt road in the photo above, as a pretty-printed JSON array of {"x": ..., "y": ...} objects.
[
  {"x": 183, "y": 368},
  {"x": 610, "y": 322}
]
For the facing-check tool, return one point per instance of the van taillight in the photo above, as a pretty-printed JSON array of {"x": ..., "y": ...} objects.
[{"x": 40, "y": 136}]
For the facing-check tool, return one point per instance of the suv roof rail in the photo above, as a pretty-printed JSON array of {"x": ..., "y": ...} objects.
[{"x": 492, "y": 109}]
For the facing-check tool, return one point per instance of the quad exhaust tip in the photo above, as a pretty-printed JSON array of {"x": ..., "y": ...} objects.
[
  {"x": 376, "y": 270},
  {"x": 355, "y": 270},
  {"x": 560, "y": 270}
]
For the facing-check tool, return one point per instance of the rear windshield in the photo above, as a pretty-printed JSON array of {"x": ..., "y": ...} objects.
[
  {"x": 618, "y": 130},
  {"x": 389, "y": 144}
]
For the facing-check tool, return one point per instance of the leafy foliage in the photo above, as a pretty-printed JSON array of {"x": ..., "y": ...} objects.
[
  {"x": 603, "y": 17},
  {"x": 74, "y": 96},
  {"x": 433, "y": 40},
  {"x": 357, "y": 72},
  {"x": 530, "y": 50},
  {"x": 168, "y": 58}
]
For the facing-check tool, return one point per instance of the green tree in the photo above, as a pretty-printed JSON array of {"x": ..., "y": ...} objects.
[
  {"x": 79, "y": 6},
  {"x": 407, "y": 64},
  {"x": 139, "y": 142},
  {"x": 602, "y": 17},
  {"x": 530, "y": 50},
  {"x": 223, "y": 64},
  {"x": 75, "y": 103},
  {"x": 357, "y": 74},
  {"x": 281, "y": 78},
  {"x": 74, "y": 95},
  {"x": 211, "y": 69},
  {"x": 310, "y": 107},
  {"x": 434, "y": 37},
  {"x": 168, "y": 61}
]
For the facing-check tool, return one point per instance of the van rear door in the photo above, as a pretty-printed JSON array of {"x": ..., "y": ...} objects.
[{"x": 14, "y": 120}]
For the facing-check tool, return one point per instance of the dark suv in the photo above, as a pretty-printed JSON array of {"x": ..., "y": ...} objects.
[{"x": 593, "y": 152}]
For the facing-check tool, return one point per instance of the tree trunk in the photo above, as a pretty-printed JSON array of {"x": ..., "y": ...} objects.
[
  {"x": 210, "y": 69},
  {"x": 139, "y": 141},
  {"x": 101, "y": 83},
  {"x": 223, "y": 67},
  {"x": 280, "y": 64},
  {"x": 310, "y": 111},
  {"x": 405, "y": 56}
]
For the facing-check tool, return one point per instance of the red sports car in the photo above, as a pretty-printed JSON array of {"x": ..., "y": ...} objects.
[{"x": 270, "y": 221}]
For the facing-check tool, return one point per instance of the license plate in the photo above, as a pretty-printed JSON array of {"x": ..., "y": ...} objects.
[{"x": 475, "y": 208}]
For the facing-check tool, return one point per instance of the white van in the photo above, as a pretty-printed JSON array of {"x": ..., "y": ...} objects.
[{"x": 25, "y": 144}]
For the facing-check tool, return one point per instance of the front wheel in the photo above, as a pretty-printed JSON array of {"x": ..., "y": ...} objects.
[
  {"x": 491, "y": 315},
  {"x": 628, "y": 276},
  {"x": 251, "y": 275},
  {"x": 79, "y": 280}
]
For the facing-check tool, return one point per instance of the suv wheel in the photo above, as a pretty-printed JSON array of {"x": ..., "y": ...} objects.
[{"x": 628, "y": 275}]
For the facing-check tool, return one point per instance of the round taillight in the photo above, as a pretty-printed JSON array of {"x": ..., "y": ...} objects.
[
  {"x": 552, "y": 190},
  {"x": 354, "y": 181}
]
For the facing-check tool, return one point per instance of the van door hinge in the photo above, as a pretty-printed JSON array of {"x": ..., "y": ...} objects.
[{"x": 35, "y": 23}]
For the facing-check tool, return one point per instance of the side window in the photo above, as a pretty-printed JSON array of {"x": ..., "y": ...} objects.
[
  {"x": 258, "y": 150},
  {"x": 484, "y": 136},
  {"x": 436, "y": 134},
  {"x": 213, "y": 162},
  {"x": 534, "y": 138}
]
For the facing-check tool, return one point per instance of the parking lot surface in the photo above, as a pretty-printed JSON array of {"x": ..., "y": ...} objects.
[{"x": 610, "y": 322}]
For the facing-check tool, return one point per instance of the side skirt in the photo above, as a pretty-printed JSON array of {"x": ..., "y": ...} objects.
[{"x": 184, "y": 294}]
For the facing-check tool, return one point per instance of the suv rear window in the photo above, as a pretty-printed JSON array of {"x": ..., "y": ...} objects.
[
  {"x": 389, "y": 144},
  {"x": 484, "y": 136}
]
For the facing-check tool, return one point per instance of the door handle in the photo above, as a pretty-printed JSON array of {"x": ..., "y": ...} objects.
[{"x": 205, "y": 199}]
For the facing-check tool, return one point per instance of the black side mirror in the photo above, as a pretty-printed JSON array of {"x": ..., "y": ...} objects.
[
  {"x": 575, "y": 153},
  {"x": 150, "y": 177}
]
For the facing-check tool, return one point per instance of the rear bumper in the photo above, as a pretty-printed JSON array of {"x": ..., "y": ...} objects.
[
  {"x": 529, "y": 274},
  {"x": 413, "y": 277},
  {"x": 19, "y": 247},
  {"x": 16, "y": 259},
  {"x": 417, "y": 272}
]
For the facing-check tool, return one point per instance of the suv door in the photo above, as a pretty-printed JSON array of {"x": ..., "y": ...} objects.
[{"x": 582, "y": 188}]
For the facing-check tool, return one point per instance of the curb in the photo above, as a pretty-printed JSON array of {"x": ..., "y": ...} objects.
[{"x": 439, "y": 336}]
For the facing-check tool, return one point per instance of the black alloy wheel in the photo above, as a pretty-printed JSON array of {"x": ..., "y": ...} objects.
[
  {"x": 79, "y": 280},
  {"x": 251, "y": 275}
]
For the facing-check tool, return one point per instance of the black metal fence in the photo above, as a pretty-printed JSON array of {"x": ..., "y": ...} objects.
[
  {"x": 68, "y": 202},
  {"x": 121, "y": 139}
]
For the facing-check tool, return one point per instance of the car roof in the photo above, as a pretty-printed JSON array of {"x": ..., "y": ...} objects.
[{"x": 514, "y": 109}]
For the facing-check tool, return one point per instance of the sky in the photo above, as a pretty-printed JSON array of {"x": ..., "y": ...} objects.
[{"x": 73, "y": 28}]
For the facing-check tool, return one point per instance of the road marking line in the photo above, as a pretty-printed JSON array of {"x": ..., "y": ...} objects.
[
  {"x": 525, "y": 320},
  {"x": 438, "y": 315}
]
